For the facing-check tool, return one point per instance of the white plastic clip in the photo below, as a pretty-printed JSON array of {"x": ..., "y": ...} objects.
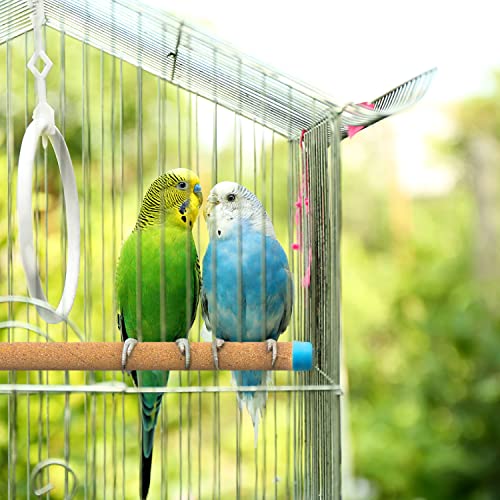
[
  {"x": 43, "y": 125},
  {"x": 42, "y": 111}
]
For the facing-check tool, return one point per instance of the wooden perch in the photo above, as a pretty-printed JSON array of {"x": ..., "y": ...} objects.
[{"x": 151, "y": 356}]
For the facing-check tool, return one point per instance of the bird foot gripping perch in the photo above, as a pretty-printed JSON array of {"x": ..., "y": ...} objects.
[
  {"x": 272, "y": 346},
  {"x": 130, "y": 344},
  {"x": 128, "y": 347},
  {"x": 183, "y": 345},
  {"x": 216, "y": 347}
]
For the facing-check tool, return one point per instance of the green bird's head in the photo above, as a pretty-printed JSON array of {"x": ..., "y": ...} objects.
[{"x": 173, "y": 198}]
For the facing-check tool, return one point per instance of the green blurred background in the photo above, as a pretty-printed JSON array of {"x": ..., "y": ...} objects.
[{"x": 421, "y": 307}]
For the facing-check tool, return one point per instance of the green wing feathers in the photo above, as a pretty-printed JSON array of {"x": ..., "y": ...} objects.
[{"x": 159, "y": 302}]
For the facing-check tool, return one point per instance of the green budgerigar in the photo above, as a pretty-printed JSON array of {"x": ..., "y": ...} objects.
[{"x": 158, "y": 285}]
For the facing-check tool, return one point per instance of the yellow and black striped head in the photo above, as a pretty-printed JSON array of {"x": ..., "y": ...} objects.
[{"x": 173, "y": 198}]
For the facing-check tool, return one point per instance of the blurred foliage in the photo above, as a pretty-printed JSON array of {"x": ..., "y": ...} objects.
[{"x": 422, "y": 327}]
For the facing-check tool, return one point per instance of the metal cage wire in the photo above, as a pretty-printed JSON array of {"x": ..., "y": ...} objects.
[{"x": 138, "y": 92}]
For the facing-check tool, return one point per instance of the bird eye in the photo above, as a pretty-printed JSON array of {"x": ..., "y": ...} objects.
[
  {"x": 231, "y": 197},
  {"x": 182, "y": 185}
]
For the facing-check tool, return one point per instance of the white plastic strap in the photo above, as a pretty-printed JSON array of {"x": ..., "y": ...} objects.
[
  {"x": 43, "y": 126},
  {"x": 25, "y": 218}
]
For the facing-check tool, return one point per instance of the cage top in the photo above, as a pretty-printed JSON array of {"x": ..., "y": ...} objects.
[{"x": 179, "y": 53}]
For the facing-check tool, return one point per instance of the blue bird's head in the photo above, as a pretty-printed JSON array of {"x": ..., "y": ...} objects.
[{"x": 229, "y": 205}]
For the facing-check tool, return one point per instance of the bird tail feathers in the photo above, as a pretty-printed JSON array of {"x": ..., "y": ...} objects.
[
  {"x": 150, "y": 407},
  {"x": 146, "y": 463},
  {"x": 255, "y": 401}
]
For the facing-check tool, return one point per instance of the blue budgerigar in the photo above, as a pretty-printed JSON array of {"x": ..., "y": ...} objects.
[{"x": 247, "y": 292}]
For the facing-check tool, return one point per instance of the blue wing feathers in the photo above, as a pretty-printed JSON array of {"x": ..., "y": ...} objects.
[{"x": 261, "y": 310}]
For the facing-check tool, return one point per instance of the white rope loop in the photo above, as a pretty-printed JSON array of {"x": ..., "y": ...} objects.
[{"x": 43, "y": 126}]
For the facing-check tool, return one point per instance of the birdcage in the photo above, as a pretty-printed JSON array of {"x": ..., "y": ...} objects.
[{"x": 137, "y": 92}]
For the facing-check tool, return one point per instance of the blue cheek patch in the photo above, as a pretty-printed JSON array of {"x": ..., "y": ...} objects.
[{"x": 183, "y": 207}]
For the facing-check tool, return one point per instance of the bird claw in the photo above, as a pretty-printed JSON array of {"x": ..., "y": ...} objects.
[
  {"x": 185, "y": 350},
  {"x": 128, "y": 347},
  {"x": 272, "y": 345},
  {"x": 216, "y": 347}
]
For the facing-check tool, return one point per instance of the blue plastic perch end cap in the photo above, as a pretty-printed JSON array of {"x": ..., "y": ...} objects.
[{"x": 302, "y": 356}]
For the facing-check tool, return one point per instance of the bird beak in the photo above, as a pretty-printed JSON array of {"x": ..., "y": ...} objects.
[
  {"x": 198, "y": 193},
  {"x": 212, "y": 201}
]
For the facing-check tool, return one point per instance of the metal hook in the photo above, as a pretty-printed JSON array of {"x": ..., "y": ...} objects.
[{"x": 49, "y": 487}]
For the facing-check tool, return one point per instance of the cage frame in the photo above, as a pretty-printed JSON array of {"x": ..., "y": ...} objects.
[{"x": 311, "y": 122}]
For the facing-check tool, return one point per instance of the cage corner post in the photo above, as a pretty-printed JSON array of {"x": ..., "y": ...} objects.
[{"x": 336, "y": 280}]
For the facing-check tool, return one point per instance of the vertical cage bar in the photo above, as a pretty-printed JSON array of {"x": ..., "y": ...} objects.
[
  {"x": 121, "y": 160},
  {"x": 28, "y": 400},
  {"x": 62, "y": 114},
  {"x": 11, "y": 404},
  {"x": 200, "y": 433},
  {"x": 113, "y": 127},
  {"x": 103, "y": 245},
  {"x": 335, "y": 346}
]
